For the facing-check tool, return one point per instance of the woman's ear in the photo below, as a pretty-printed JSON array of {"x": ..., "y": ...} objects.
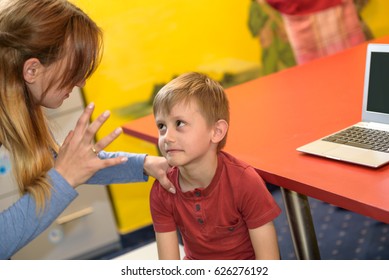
[
  {"x": 219, "y": 131},
  {"x": 31, "y": 69}
]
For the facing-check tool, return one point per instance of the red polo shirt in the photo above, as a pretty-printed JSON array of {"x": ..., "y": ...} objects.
[{"x": 214, "y": 221}]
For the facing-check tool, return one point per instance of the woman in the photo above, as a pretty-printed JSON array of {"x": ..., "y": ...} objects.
[{"x": 47, "y": 47}]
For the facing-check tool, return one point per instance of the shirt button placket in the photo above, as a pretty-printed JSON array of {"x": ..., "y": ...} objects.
[{"x": 198, "y": 208}]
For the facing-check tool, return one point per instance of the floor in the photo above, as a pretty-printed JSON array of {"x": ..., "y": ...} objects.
[
  {"x": 146, "y": 252},
  {"x": 341, "y": 235}
]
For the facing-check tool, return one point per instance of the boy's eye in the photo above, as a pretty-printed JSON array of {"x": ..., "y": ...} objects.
[
  {"x": 160, "y": 126},
  {"x": 180, "y": 123}
]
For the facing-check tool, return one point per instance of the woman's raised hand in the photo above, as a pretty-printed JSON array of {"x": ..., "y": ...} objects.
[{"x": 77, "y": 158}]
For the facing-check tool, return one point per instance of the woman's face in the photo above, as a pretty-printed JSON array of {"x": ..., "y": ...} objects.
[{"x": 47, "y": 79}]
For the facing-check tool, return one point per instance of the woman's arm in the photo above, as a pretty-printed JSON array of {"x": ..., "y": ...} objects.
[
  {"x": 264, "y": 241},
  {"x": 20, "y": 223},
  {"x": 167, "y": 243},
  {"x": 126, "y": 172},
  {"x": 133, "y": 170}
]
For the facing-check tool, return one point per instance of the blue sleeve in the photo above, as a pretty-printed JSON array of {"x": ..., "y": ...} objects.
[
  {"x": 129, "y": 171},
  {"x": 20, "y": 223}
]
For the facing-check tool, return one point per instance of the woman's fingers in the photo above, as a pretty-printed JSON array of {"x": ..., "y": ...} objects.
[
  {"x": 104, "y": 142},
  {"x": 85, "y": 131},
  {"x": 83, "y": 122},
  {"x": 92, "y": 129},
  {"x": 158, "y": 167},
  {"x": 77, "y": 160},
  {"x": 68, "y": 138}
]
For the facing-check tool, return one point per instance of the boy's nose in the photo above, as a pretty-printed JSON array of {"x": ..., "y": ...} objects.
[{"x": 169, "y": 136}]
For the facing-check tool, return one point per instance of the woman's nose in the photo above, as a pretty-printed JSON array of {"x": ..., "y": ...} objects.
[{"x": 81, "y": 84}]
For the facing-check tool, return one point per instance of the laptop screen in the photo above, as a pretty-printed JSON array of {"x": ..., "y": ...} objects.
[
  {"x": 376, "y": 84},
  {"x": 378, "y": 99}
]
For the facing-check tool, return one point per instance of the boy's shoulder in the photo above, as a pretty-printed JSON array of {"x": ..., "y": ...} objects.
[
  {"x": 233, "y": 161},
  {"x": 172, "y": 175},
  {"x": 238, "y": 170}
]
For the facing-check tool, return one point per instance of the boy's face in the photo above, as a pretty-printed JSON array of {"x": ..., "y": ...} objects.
[{"x": 184, "y": 135}]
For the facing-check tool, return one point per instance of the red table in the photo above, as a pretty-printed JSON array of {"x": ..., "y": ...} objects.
[{"x": 273, "y": 115}]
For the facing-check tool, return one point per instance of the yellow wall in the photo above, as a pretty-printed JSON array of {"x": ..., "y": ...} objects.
[
  {"x": 375, "y": 15},
  {"x": 147, "y": 43}
]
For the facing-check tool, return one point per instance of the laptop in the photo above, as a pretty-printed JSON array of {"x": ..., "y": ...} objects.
[{"x": 371, "y": 146}]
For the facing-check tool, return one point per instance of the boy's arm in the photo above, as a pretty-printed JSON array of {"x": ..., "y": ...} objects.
[
  {"x": 264, "y": 241},
  {"x": 167, "y": 243}
]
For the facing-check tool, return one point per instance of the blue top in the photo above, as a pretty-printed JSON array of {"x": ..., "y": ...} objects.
[{"x": 19, "y": 224}]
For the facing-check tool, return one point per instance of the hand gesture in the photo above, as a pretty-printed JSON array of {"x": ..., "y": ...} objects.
[{"x": 77, "y": 158}]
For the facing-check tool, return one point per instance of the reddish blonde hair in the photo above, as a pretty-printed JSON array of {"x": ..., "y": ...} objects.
[{"x": 49, "y": 30}]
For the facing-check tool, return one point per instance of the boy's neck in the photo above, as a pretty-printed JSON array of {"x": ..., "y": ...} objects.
[{"x": 198, "y": 175}]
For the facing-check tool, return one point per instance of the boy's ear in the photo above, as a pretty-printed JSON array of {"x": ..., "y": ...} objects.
[
  {"x": 31, "y": 69},
  {"x": 219, "y": 131}
]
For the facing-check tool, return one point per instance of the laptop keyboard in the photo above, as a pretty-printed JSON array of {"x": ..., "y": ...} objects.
[{"x": 361, "y": 137}]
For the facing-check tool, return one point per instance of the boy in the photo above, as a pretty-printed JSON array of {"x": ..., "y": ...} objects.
[{"x": 222, "y": 207}]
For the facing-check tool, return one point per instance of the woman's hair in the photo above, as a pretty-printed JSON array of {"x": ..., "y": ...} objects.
[
  {"x": 49, "y": 30},
  {"x": 208, "y": 94}
]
